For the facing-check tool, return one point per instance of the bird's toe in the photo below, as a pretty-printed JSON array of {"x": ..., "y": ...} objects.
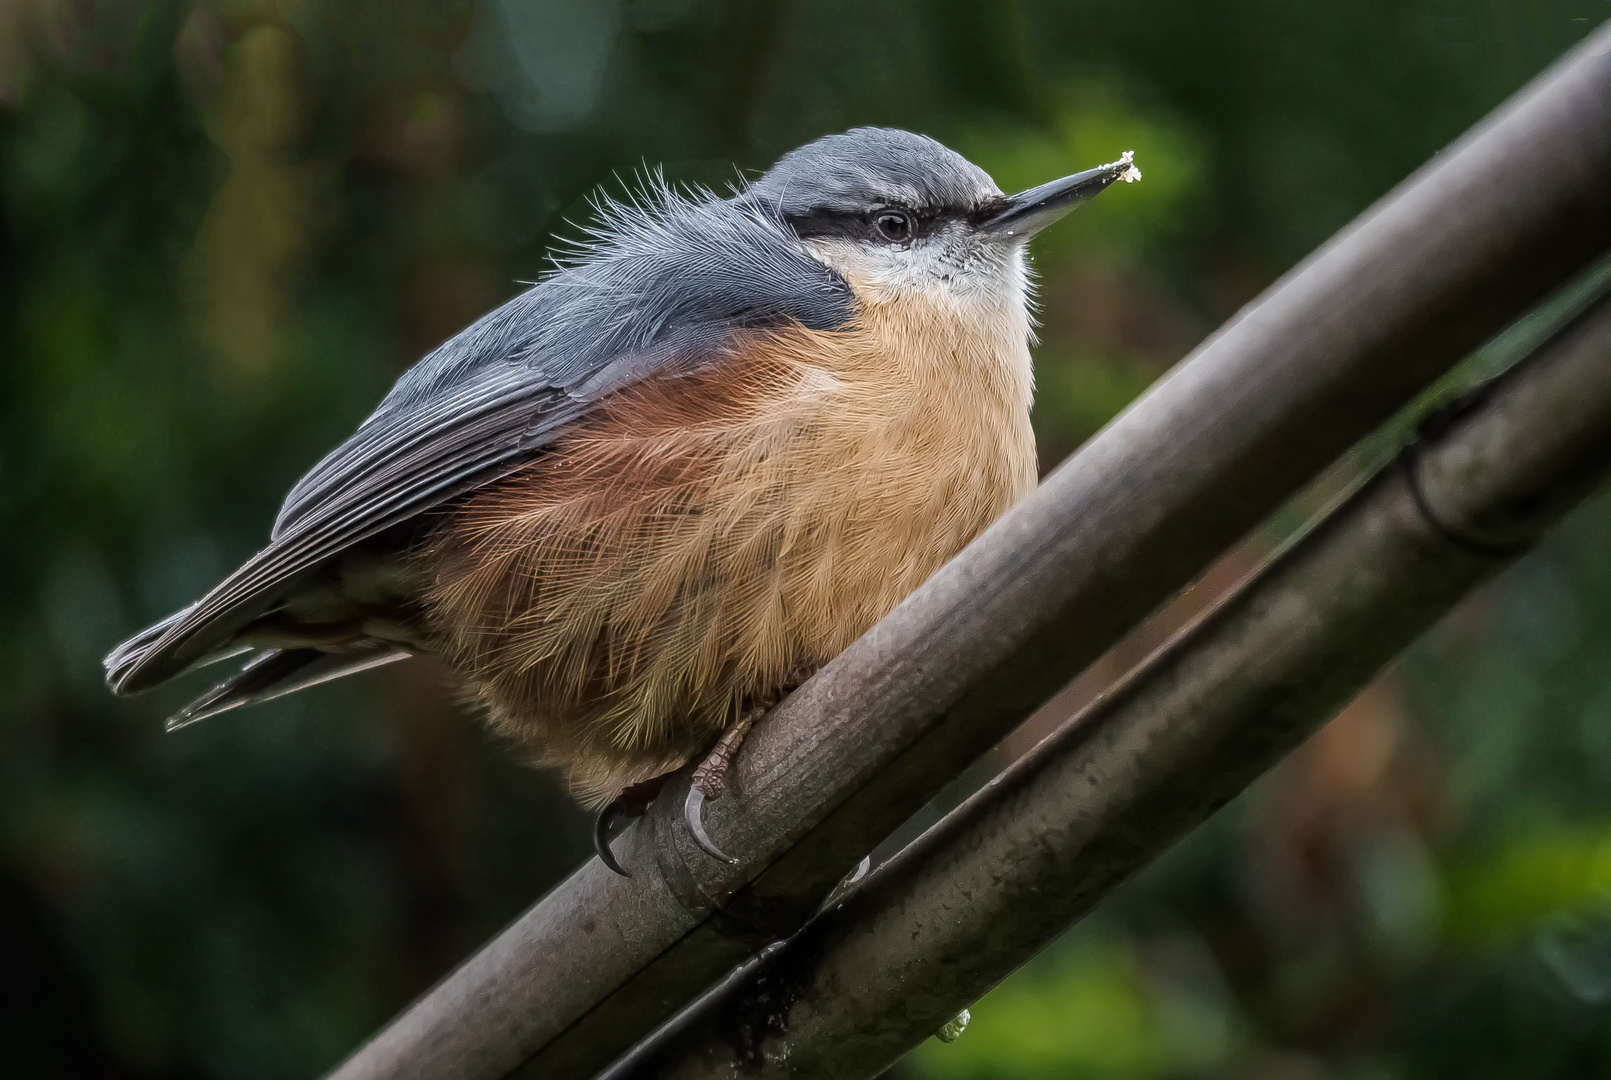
[
  {"x": 601, "y": 837},
  {"x": 693, "y": 813}
]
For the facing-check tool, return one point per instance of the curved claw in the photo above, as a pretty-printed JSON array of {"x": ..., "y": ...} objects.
[
  {"x": 693, "y": 812},
  {"x": 601, "y": 838}
]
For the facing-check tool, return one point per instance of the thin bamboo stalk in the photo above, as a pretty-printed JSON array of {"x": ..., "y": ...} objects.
[{"x": 959, "y": 909}]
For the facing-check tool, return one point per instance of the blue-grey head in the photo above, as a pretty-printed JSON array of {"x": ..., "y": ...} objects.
[{"x": 894, "y": 211}]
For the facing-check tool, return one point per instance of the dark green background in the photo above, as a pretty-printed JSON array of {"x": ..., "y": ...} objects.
[{"x": 225, "y": 229}]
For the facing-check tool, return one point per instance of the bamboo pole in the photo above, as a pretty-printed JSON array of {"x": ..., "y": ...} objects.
[
  {"x": 959, "y": 909},
  {"x": 1331, "y": 351}
]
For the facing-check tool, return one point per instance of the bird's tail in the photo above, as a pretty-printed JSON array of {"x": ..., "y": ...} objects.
[
  {"x": 272, "y": 673},
  {"x": 266, "y": 674}
]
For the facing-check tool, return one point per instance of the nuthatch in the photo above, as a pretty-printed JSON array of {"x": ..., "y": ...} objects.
[{"x": 638, "y": 503}]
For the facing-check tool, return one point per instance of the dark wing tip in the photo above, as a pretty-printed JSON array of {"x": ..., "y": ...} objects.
[{"x": 127, "y": 666}]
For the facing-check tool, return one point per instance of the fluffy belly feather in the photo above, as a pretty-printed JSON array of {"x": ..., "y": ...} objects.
[{"x": 701, "y": 542}]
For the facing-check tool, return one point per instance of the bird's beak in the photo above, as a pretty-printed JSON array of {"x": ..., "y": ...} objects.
[{"x": 1021, "y": 216}]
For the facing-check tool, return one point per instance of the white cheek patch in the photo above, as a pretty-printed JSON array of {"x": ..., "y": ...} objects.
[
  {"x": 965, "y": 272},
  {"x": 985, "y": 297}
]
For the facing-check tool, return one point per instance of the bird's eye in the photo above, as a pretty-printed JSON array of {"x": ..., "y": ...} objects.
[{"x": 894, "y": 226}]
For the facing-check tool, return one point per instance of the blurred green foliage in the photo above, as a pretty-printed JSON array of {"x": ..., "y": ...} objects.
[{"x": 225, "y": 228}]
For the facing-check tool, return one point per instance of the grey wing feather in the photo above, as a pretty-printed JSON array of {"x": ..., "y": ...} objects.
[{"x": 669, "y": 284}]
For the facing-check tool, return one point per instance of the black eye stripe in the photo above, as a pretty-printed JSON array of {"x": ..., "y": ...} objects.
[
  {"x": 829, "y": 223},
  {"x": 863, "y": 225}
]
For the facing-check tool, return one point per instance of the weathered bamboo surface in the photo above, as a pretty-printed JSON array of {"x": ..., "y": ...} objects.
[{"x": 932, "y": 930}]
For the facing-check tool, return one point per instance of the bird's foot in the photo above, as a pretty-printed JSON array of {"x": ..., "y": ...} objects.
[
  {"x": 710, "y": 781},
  {"x": 633, "y": 802}
]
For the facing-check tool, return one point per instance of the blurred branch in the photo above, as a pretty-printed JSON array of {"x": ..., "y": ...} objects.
[
  {"x": 1341, "y": 343},
  {"x": 959, "y": 909}
]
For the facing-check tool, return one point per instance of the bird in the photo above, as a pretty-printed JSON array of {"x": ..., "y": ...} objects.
[{"x": 637, "y": 504}]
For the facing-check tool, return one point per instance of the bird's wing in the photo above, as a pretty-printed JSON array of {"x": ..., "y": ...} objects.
[{"x": 667, "y": 290}]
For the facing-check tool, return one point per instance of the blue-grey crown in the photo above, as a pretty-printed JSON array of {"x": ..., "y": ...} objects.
[{"x": 868, "y": 167}]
